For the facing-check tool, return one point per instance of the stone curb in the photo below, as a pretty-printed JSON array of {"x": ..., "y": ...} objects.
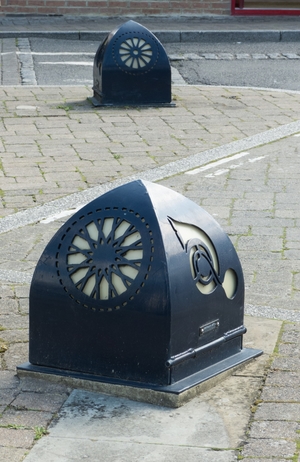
[{"x": 175, "y": 36}]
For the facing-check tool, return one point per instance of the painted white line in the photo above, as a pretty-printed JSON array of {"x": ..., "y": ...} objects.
[
  {"x": 233, "y": 167},
  {"x": 27, "y": 108},
  {"x": 57, "y": 216},
  {"x": 220, "y": 172},
  {"x": 216, "y": 164},
  {"x": 67, "y": 63},
  {"x": 48, "y": 53},
  {"x": 256, "y": 159},
  {"x": 235, "y": 87},
  {"x": 298, "y": 134}
]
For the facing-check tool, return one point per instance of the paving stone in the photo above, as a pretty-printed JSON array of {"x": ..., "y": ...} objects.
[
  {"x": 50, "y": 402},
  {"x": 28, "y": 419},
  {"x": 29, "y": 384},
  {"x": 8, "y": 380},
  {"x": 15, "y": 336},
  {"x": 274, "y": 430},
  {"x": 16, "y": 354},
  {"x": 269, "y": 447},
  {"x": 291, "y": 336},
  {"x": 287, "y": 363},
  {"x": 12, "y": 454},
  {"x": 7, "y": 395},
  {"x": 16, "y": 438},
  {"x": 281, "y": 394},
  {"x": 8, "y": 306},
  {"x": 265, "y": 459},
  {"x": 291, "y": 327},
  {"x": 290, "y": 349},
  {"x": 278, "y": 411}
]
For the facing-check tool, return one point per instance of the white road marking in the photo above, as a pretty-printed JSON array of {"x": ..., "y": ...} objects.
[
  {"x": 68, "y": 63},
  {"x": 220, "y": 172},
  {"x": 25, "y": 108},
  {"x": 216, "y": 164},
  {"x": 256, "y": 159},
  {"x": 48, "y": 53},
  {"x": 233, "y": 167},
  {"x": 64, "y": 213}
]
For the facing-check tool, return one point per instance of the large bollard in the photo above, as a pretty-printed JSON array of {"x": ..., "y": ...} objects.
[{"x": 141, "y": 287}]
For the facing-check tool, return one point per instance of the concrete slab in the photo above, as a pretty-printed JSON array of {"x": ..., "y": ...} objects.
[{"x": 100, "y": 427}]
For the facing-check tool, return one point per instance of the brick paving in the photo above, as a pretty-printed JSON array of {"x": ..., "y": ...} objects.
[
  {"x": 54, "y": 143},
  {"x": 49, "y": 134}
]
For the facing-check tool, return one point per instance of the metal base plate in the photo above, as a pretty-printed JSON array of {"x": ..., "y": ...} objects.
[
  {"x": 174, "y": 395},
  {"x": 97, "y": 103}
]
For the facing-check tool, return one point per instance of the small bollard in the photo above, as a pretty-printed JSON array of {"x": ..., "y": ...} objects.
[
  {"x": 131, "y": 67},
  {"x": 140, "y": 288}
]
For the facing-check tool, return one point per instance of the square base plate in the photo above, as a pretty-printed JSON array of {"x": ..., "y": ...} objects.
[{"x": 174, "y": 395}]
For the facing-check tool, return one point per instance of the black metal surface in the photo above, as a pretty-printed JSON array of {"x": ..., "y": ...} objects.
[
  {"x": 134, "y": 288},
  {"x": 131, "y": 67}
]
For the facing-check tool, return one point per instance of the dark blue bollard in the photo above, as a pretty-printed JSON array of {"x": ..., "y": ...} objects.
[
  {"x": 131, "y": 67},
  {"x": 140, "y": 287}
]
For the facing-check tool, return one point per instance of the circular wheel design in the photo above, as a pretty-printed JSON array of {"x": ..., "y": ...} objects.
[
  {"x": 105, "y": 259},
  {"x": 135, "y": 53}
]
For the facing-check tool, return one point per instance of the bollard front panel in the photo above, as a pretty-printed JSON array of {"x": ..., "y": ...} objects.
[
  {"x": 131, "y": 67},
  {"x": 140, "y": 286},
  {"x": 99, "y": 301}
]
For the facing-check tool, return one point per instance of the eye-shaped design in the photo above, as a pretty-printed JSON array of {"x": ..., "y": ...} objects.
[
  {"x": 204, "y": 261},
  {"x": 135, "y": 53}
]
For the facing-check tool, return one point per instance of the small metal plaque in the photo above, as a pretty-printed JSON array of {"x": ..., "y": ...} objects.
[{"x": 209, "y": 327}]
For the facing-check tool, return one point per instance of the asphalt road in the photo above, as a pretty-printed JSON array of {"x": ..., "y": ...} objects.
[
  {"x": 70, "y": 62},
  {"x": 267, "y": 65}
]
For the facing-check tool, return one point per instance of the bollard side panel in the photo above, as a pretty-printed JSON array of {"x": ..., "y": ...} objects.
[{"x": 206, "y": 285}]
